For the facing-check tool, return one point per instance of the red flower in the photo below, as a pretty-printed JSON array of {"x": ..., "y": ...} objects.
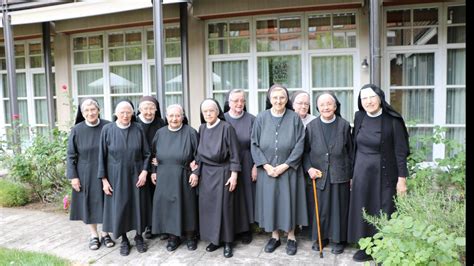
[
  {"x": 16, "y": 116},
  {"x": 64, "y": 87}
]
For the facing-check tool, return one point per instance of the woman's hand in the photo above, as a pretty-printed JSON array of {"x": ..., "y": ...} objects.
[
  {"x": 314, "y": 173},
  {"x": 106, "y": 187},
  {"x": 280, "y": 169},
  {"x": 193, "y": 165},
  {"x": 76, "y": 184},
  {"x": 232, "y": 181},
  {"x": 153, "y": 178},
  {"x": 193, "y": 180},
  {"x": 142, "y": 178},
  {"x": 254, "y": 173},
  {"x": 269, "y": 169},
  {"x": 401, "y": 186},
  {"x": 154, "y": 161}
]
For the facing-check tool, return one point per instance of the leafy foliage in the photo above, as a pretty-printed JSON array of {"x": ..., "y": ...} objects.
[{"x": 12, "y": 194}]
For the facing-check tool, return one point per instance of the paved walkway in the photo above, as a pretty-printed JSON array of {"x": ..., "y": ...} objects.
[{"x": 55, "y": 234}]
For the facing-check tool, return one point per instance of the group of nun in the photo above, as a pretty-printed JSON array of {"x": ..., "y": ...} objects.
[{"x": 165, "y": 178}]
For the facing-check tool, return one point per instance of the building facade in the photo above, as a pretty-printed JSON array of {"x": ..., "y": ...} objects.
[{"x": 306, "y": 45}]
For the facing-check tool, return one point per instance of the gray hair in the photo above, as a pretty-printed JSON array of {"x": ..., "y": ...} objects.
[
  {"x": 175, "y": 106},
  {"x": 122, "y": 103},
  {"x": 89, "y": 102},
  {"x": 234, "y": 91}
]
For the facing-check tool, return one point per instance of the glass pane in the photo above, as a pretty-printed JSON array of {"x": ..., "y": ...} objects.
[
  {"x": 285, "y": 70},
  {"x": 96, "y": 56},
  {"x": 290, "y": 42},
  {"x": 133, "y": 38},
  {"x": 319, "y": 23},
  {"x": 173, "y": 50},
  {"x": 21, "y": 84},
  {"x": 172, "y": 34},
  {"x": 218, "y": 30},
  {"x": 227, "y": 75},
  {"x": 79, "y": 43},
  {"x": 412, "y": 69},
  {"x": 20, "y": 62},
  {"x": 266, "y": 44},
  {"x": 262, "y": 98},
  {"x": 19, "y": 50},
  {"x": 332, "y": 71},
  {"x": 398, "y": 37},
  {"x": 39, "y": 85},
  {"x": 425, "y": 16},
  {"x": 456, "y": 14},
  {"x": 7, "y": 115},
  {"x": 456, "y": 106},
  {"x": 149, "y": 37},
  {"x": 23, "y": 108},
  {"x": 116, "y": 40},
  {"x": 343, "y": 39},
  {"x": 116, "y": 54},
  {"x": 41, "y": 111},
  {"x": 219, "y": 97},
  {"x": 398, "y": 18},
  {"x": 290, "y": 25},
  {"x": 344, "y": 21},
  {"x": 125, "y": 79},
  {"x": 457, "y": 34},
  {"x": 425, "y": 36},
  {"x": 173, "y": 78},
  {"x": 415, "y": 105},
  {"x": 239, "y": 45},
  {"x": 90, "y": 82},
  {"x": 80, "y": 58},
  {"x": 267, "y": 27},
  {"x": 36, "y": 61},
  {"x": 218, "y": 47},
  {"x": 95, "y": 42},
  {"x": 418, "y": 132},
  {"x": 458, "y": 134},
  {"x": 239, "y": 28},
  {"x": 174, "y": 99},
  {"x": 3, "y": 64},
  {"x": 133, "y": 53},
  {"x": 320, "y": 40},
  {"x": 345, "y": 97},
  {"x": 150, "y": 49},
  {"x": 456, "y": 67},
  {"x": 35, "y": 48}
]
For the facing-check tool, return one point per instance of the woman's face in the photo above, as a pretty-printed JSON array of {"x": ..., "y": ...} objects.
[
  {"x": 237, "y": 102},
  {"x": 210, "y": 112},
  {"x": 278, "y": 98},
  {"x": 370, "y": 101},
  {"x": 301, "y": 104},
  {"x": 91, "y": 113},
  {"x": 326, "y": 106},
  {"x": 148, "y": 109},
  {"x": 124, "y": 114},
  {"x": 174, "y": 117}
]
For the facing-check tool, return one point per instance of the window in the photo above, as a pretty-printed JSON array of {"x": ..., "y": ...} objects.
[
  {"x": 412, "y": 27},
  {"x": 280, "y": 34},
  {"x": 88, "y": 50},
  {"x": 228, "y": 75},
  {"x": 332, "y": 31},
  {"x": 229, "y": 37}
]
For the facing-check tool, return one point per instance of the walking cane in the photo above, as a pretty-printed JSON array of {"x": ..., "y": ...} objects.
[{"x": 316, "y": 207}]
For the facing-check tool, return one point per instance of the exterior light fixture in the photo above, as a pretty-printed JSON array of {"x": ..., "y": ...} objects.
[{"x": 364, "y": 64}]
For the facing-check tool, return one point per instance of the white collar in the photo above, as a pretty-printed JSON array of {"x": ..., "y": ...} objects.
[
  {"x": 92, "y": 125},
  {"x": 328, "y": 121},
  {"x": 375, "y": 115},
  {"x": 214, "y": 125},
  {"x": 122, "y": 127},
  {"x": 236, "y": 116},
  {"x": 174, "y": 130},
  {"x": 277, "y": 115},
  {"x": 144, "y": 120}
]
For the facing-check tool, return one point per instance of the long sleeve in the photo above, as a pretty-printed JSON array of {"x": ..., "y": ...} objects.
[
  {"x": 72, "y": 156},
  {"x": 194, "y": 146},
  {"x": 257, "y": 154},
  {"x": 233, "y": 145},
  {"x": 296, "y": 154},
  {"x": 401, "y": 147},
  {"x": 153, "y": 152},
  {"x": 102, "y": 171},
  {"x": 307, "y": 149},
  {"x": 349, "y": 148},
  {"x": 145, "y": 151}
]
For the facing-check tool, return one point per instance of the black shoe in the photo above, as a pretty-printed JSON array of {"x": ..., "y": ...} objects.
[
  {"x": 173, "y": 243},
  {"x": 192, "y": 244},
  {"x": 272, "y": 245},
  {"x": 246, "y": 237},
  {"x": 148, "y": 234},
  {"x": 315, "y": 246},
  {"x": 228, "y": 250},
  {"x": 361, "y": 256},
  {"x": 107, "y": 241},
  {"x": 211, "y": 247},
  {"x": 94, "y": 243},
  {"x": 140, "y": 243},
  {"x": 291, "y": 247},
  {"x": 337, "y": 248},
  {"x": 124, "y": 248}
]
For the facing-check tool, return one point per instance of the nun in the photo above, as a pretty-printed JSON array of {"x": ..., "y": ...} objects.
[
  {"x": 219, "y": 164},
  {"x": 82, "y": 153},
  {"x": 175, "y": 198},
  {"x": 123, "y": 167}
]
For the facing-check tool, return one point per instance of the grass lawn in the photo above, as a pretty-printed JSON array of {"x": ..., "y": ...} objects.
[{"x": 18, "y": 257}]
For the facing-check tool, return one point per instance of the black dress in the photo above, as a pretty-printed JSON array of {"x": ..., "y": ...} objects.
[
  {"x": 123, "y": 154},
  {"x": 174, "y": 201},
  {"x": 82, "y": 155},
  {"x": 218, "y": 155}
]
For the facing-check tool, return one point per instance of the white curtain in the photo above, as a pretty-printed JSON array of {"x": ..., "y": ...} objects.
[
  {"x": 227, "y": 75},
  {"x": 285, "y": 70},
  {"x": 332, "y": 71}
]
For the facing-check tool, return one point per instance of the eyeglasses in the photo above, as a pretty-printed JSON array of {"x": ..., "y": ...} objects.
[{"x": 302, "y": 103}]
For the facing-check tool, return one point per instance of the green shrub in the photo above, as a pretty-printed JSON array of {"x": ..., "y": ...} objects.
[
  {"x": 42, "y": 166},
  {"x": 12, "y": 194}
]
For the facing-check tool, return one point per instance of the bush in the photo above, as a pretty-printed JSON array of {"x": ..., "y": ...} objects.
[
  {"x": 12, "y": 194},
  {"x": 42, "y": 166},
  {"x": 429, "y": 225}
]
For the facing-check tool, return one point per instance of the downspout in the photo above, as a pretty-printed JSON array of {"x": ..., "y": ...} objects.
[{"x": 375, "y": 55}]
